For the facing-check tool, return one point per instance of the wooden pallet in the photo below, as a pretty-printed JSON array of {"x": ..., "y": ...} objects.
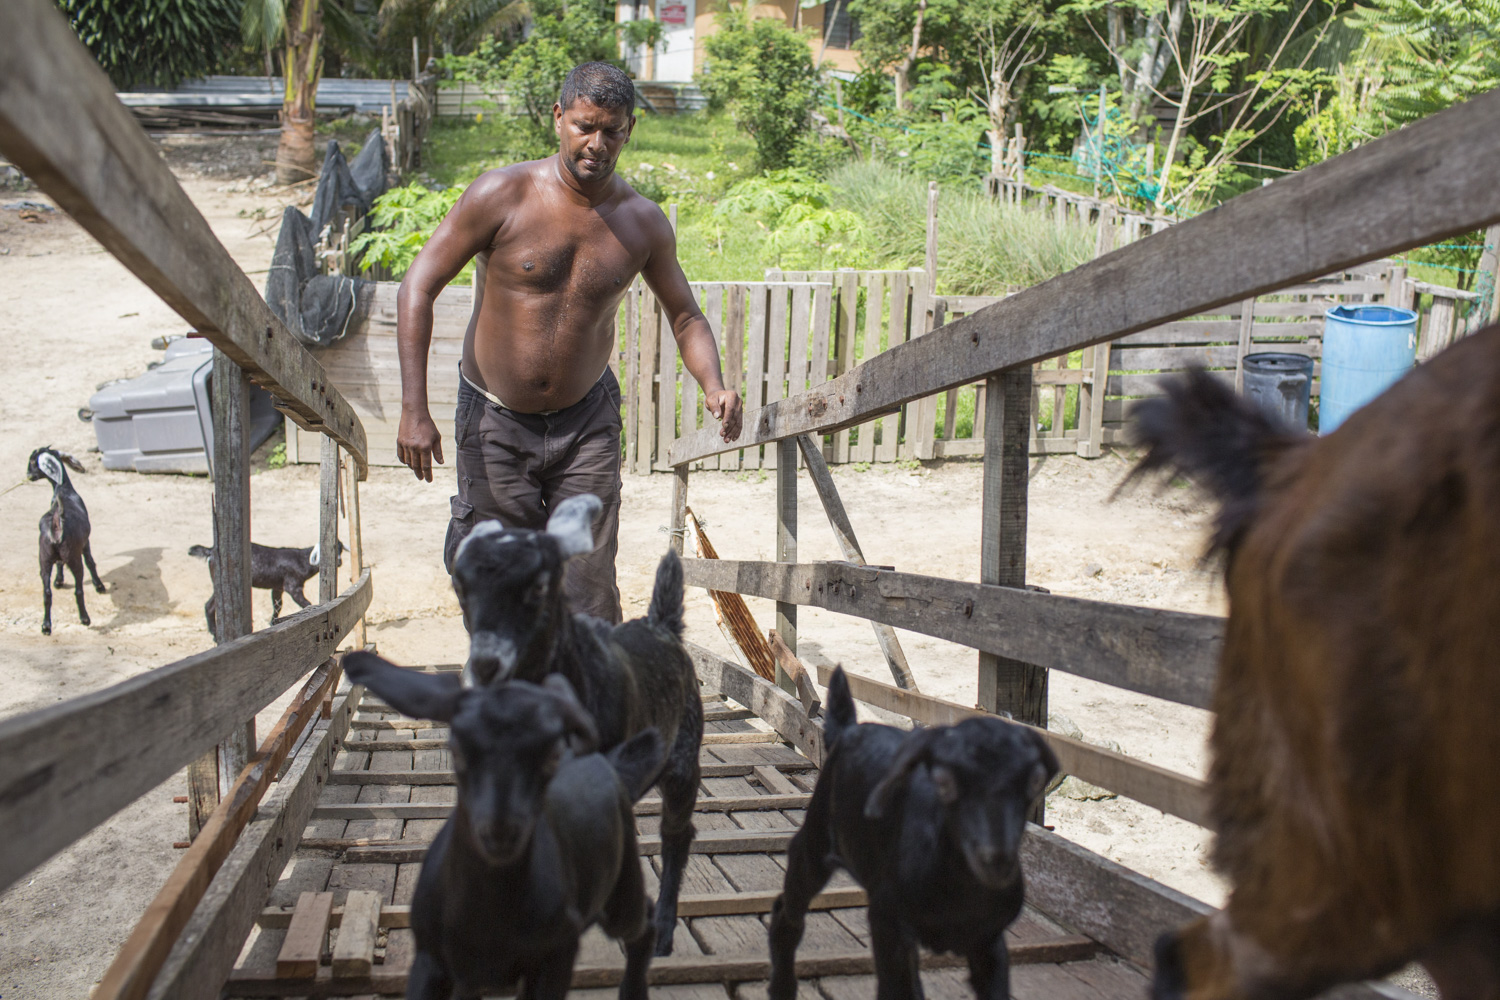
[{"x": 337, "y": 922}]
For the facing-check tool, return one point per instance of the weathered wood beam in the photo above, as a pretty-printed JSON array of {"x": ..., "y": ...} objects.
[
  {"x": 1417, "y": 185},
  {"x": 781, "y": 711},
  {"x": 646, "y": 807},
  {"x": 1178, "y": 794},
  {"x": 61, "y": 123},
  {"x": 71, "y": 766},
  {"x": 404, "y": 852},
  {"x": 1165, "y": 654}
]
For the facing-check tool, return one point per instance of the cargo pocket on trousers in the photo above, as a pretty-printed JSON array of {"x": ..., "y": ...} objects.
[{"x": 459, "y": 526}]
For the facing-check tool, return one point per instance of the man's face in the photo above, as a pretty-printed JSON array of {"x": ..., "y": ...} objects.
[{"x": 590, "y": 137}]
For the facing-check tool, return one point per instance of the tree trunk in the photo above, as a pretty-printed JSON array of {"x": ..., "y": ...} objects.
[
  {"x": 296, "y": 158},
  {"x": 1171, "y": 154},
  {"x": 903, "y": 71}
]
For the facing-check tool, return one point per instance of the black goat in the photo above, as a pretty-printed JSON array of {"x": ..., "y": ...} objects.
[
  {"x": 64, "y": 536},
  {"x": 540, "y": 845},
  {"x": 279, "y": 570},
  {"x": 929, "y": 823},
  {"x": 629, "y": 676}
]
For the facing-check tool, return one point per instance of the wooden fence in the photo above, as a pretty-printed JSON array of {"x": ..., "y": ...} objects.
[
  {"x": 1326, "y": 220},
  {"x": 71, "y": 766}
]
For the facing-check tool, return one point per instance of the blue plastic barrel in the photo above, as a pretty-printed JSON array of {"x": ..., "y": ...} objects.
[{"x": 1365, "y": 350}]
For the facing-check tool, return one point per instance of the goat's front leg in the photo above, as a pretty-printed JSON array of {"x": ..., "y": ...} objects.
[
  {"x": 275, "y": 605},
  {"x": 77, "y": 567},
  {"x": 897, "y": 973},
  {"x": 47, "y": 597},
  {"x": 808, "y": 869},
  {"x": 637, "y": 963},
  {"x": 989, "y": 970},
  {"x": 427, "y": 980},
  {"x": 88, "y": 560},
  {"x": 552, "y": 977}
]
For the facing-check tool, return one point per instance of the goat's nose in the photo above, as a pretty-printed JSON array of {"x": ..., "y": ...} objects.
[{"x": 491, "y": 657}]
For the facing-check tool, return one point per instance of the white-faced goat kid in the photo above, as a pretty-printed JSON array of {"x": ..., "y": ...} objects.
[
  {"x": 540, "y": 845},
  {"x": 64, "y": 536},
  {"x": 279, "y": 570},
  {"x": 1355, "y": 782},
  {"x": 629, "y": 677},
  {"x": 929, "y": 822}
]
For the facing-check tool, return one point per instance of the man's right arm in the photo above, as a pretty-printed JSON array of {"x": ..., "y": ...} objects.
[{"x": 468, "y": 229}]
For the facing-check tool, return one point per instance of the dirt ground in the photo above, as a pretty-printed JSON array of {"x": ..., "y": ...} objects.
[{"x": 78, "y": 318}]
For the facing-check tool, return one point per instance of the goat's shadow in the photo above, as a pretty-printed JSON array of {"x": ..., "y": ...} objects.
[{"x": 136, "y": 589}]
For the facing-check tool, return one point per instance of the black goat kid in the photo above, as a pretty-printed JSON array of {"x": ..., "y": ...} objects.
[
  {"x": 540, "y": 845},
  {"x": 929, "y": 823},
  {"x": 279, "y": 570},
  {"x": 629, "y": 677},
  {"x": 64, "y": 536}
]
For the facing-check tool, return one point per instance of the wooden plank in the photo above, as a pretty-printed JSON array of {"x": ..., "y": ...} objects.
[
  {"x": 1178, "y": 794},
  {"x": 793, "y": 669},
  {"x": 328, "y": 522},
  {"x": 786, "y": 542},
  {"x": 349, "y": 470},
  {"x": 63, "y": 126},
  {"x": 845, "y": 330},
  {"x": 1165, "y": 654},
  {"x": 667, "y": 388},
  {"x": 71, "y": 766},
  {"x": 733, "y": 353},
  {"x": 890, "y": 426},
  {"x": 843, "y": 530},
  {"x": 706, "y": 842},
  {"x": 354, "y": 952},
  {"x": 302, "y": 948},
  {"x": 646, "y": 807},
  {"x": 774, "y": 706},
  {"x": 650, "y": 352},
  {"x": 1159, "y": 359},
  {"x": 1247, "y": 331},
  {"x": 864, "y": 448},
  {"x": 688, "y": 905},
  {"x": 672, "y": 970},
  {"x": 143, "y": 953},
  {"x": 1357, "y": 206},
  {"x": 207, "y": 949},
  {"x": 447, "y": 777},
  {"x": 773, "y": 781},
  {"x": 778, "y": 343},
  {"x": 922, "y": 412},
  {"x": 798, "y": 358}
]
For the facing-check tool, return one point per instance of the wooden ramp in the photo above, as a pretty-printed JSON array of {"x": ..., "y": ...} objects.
[{"x": 336, "y": 923}]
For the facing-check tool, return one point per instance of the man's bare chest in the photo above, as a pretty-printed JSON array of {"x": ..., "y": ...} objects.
[{"x": 579, "y": 255}]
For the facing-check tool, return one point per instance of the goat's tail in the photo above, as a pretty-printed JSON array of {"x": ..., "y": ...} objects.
[
  {"x": 1202, "y": 430},
  {"x": 201, "y": 551},
  {"x": 666, "y": 596},
  {"x": 838, "y": 710}
]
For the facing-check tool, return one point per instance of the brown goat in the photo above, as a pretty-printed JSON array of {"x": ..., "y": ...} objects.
[{"x": 1355, "y": 784}]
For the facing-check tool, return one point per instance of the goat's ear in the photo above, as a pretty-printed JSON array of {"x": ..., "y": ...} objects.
[
  {"x": 1048, "y": 757},
  {"x": 583, "y": 736},
  {"x": 917, "y": 750},
  {"x": 572, "y": 524},
  {"x": 71, "y": 462},
  {"x": 410, "y": 692}
]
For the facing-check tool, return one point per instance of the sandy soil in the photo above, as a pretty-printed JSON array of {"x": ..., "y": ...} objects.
[{"x": 78, "y": 318}]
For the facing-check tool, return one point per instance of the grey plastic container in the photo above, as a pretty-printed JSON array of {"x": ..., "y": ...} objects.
[
  {"x": 1281, "y": 385},
  {"x": 162, "y": 421}
]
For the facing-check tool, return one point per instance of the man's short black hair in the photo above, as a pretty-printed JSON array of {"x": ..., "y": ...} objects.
[{"x": 605, "y": 85}]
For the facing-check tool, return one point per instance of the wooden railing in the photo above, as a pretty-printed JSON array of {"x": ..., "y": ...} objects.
[
  {"x": 69, "y": 767},
  {"x": 1427, "y": 182}
]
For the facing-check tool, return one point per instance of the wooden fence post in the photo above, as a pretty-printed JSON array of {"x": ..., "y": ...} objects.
[
  {"x": 216, "y": 771},
  {"x": 328, "y": 522},
  {"x": 1091, "y": 438},
  {"x": 786, "y": 544},
  {"x": 1007, "y": 685},
  {"x": 350, "y": 472}
]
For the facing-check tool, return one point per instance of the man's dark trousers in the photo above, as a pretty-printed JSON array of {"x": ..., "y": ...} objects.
[{"x": 517, "y": 467}]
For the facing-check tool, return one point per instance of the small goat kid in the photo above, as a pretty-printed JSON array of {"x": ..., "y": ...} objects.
[
  {"x": 629, "y": 677},
  {"x": 929, "y": 823},
  {"x": 64, "y": 535},
  {"x": 1355, "y": 784},
  {"x": 540, "y": 845},
  {"x": 279, "y": 570}
]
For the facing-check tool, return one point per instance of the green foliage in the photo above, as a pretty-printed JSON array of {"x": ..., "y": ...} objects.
[
  {"x": 401, "y": 223},
  {"x": 763, "y": 73},
  {"x": 1431, "y": 54},
  {"x": 156, "y": 43},
  {"x": 804, "y": 230},
  {"x": 277, "y": 458},
  {"x": 531, "y": 70},
  {"x": 947, "y": 148}
]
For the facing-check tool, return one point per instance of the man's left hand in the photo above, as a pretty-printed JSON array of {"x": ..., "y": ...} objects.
[{"x": 725, "y": 404}]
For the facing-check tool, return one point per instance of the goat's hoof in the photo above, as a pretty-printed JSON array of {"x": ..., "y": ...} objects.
[
  {"x": 46, "y": 630},
  {"x": 100, "y": 588},
  {"x": 84, "y": 620}
]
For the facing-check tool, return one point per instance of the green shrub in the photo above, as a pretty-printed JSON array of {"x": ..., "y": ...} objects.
[
  {"x": 402, "y": 222},
  {"x": 763, "y": 73},
  {"x": 156, "y": 43}
]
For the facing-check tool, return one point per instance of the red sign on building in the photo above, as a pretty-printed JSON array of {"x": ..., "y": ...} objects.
[{"x": 672, "y": 12}]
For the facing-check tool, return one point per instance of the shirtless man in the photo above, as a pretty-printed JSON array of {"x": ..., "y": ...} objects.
[{"x": 558, "y": 243}]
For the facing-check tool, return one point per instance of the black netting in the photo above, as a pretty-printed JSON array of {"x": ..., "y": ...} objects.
[{"x": 317, "y": 307}]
